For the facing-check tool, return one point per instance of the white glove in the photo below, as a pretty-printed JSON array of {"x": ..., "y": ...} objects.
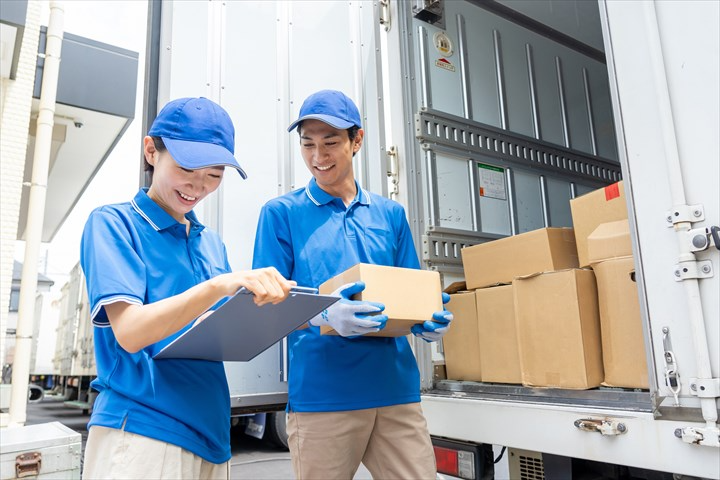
[
  {"x": 349, "y": 317},
  {"x": 434, "y": 329}
]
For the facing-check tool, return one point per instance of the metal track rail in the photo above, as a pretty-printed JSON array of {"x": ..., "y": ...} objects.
[{"x": 434, "y": 127}]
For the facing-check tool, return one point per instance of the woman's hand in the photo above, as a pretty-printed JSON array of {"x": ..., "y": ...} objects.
[{"x": 267, "y": 285}]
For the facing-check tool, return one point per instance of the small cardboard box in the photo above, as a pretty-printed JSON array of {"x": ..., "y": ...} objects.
[
  {"x": 609, "y": 240},
  {"x": 590, "y": 210},
  {"x": 499, "y": 354},
  {"x": 623, "y": 345},
  {"x": 461, "y": 343},
  {"x": 410, "y": 296},
  {"x": 499, "y": 261},
  {"x": 558, "y": 329}
]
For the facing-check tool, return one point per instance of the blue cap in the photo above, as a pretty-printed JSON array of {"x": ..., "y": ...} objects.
[
  {"x": 198, "y": 133},
  {"x": 329, "y": 106}
]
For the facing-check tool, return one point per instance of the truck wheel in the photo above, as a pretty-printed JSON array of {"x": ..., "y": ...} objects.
[
  {"x": 35, "y": 393},
  {"x": 276, "y": 429}
]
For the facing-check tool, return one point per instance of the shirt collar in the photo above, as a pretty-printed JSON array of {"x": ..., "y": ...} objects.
[
  {"x": 320, "y": 197},
  {"x": 153, "y": 213}
]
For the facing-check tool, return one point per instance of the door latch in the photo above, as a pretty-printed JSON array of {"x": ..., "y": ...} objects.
[
  {"x": 393, "y": 172},
  {"x": 605, "y": 427}
]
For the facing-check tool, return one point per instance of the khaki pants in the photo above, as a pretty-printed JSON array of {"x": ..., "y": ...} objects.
[
  {"x": 392, "y": 442},
  {"x": 116, "y": 454}
]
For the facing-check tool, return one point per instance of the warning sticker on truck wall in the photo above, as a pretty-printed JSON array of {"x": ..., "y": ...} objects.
[
  {"x": 445, "y": 64},
  {"x": 491, "y": 181}
]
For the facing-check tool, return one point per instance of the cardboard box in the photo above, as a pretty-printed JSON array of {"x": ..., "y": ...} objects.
[
  {"x": 499, "y": 261},
  {"x": 499, "y": 354},
  {"x": 461, "y": 343},
  {"x": 623, "y": 345},
  {"x": 590, "y": 210},
  {"x": 410, "y": 296},
  {"x": 609, "y": 240},
  {"x": 558, "y": 327}
]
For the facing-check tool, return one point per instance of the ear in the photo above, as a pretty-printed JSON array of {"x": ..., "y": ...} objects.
[
  {"x": 149, "y": 150},
  {"x": 358, "y": 140}
]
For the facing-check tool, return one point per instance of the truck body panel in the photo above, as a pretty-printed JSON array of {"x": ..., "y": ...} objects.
[{"x": 535, "y": 104}]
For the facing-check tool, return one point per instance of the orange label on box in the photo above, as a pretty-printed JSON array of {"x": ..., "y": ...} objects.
[{"x": 612, "y": 191}]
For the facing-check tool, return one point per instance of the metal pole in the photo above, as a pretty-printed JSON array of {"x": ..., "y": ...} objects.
[
  {"x": 695, "y": 318},
  {"x": 36, "y": 214}
]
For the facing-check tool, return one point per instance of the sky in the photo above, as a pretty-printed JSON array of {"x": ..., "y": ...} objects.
[{"x": 121, "y": 23}]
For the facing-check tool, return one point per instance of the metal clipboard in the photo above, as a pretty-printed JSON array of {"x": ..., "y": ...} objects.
[{"x": 240, "y": 330}]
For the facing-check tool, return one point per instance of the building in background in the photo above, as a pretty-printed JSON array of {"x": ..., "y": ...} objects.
[
  {"x": 41, "y": 313},
  {"x": 96, "y": 100}
]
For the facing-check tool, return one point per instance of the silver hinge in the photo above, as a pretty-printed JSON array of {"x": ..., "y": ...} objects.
[
  {"x": 693, "y": 270},
  {"x": 393, "y": 171},
  {"x": 710, "y": 436},
  {"x": 685, "y": 214},
  {"x": 705, "y": 387},
  {"x": 605, "y": 427},
  {"x": 385, "y": 19}
]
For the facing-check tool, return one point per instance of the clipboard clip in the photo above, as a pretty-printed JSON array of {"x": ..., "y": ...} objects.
[{"x": 295, "y": 289}]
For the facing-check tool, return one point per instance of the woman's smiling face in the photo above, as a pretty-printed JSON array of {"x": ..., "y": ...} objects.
[{"x": 176, "y": 189}]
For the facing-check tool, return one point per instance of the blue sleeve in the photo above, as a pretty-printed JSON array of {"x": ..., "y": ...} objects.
[
  {"x": 406, "y": 254},
  {"x": 273, "y": 244},
  {"x": 113, "y": 270}
]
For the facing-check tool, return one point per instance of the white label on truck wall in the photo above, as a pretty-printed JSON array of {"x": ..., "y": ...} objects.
[{"x": 492, "y": 181}]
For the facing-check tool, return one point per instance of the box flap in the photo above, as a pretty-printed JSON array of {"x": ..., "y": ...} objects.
[
  {"x": 603, "y": 205},
  {"x": 609, "y": 240},
  {"x": 455, "y": 287}
]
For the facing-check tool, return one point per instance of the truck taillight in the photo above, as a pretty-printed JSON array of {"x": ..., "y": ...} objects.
[
  {"x": 447, "y": 460},
  {"x": 460, "y": 459}
]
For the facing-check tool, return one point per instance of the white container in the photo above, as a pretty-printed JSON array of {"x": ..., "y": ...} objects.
[{"x": 45, "y": 451}]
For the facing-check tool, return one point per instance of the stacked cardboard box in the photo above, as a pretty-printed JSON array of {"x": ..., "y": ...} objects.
[
  {"x": 558, "y": 328},
  {"x": 610, "y": 255},
  {"x": 590, "y": 210},
  {"x": 461, "y": 342},
  {"x": 544, "y": 322},
  {"x": 498, "y": 335},
  {"x": 549, "y": 311}
]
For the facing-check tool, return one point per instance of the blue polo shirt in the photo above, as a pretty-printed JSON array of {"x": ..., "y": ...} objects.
[
  {"x": 135, "y": 252},
  {"x": 310, "y": 236}
]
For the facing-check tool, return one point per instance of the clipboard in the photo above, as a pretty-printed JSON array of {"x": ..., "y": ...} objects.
[{"x": 240, "y": 330}]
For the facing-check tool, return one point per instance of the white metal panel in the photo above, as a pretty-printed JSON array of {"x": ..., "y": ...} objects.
[
  {"x": 691, "y": 61},
  {"x": 454, "y": 193},
  {"x": 544, "y": 428},
  {"x": 528, "y": 201}
]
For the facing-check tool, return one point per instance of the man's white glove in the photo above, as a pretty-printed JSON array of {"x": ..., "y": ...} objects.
[
  {"x": 434, "y": 329},
  {"x": 349, "y": 317}
]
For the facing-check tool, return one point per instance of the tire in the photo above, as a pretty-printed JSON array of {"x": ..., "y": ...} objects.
[
  {"x": 276, "y": 429},
  {"x": 35, "y": 393}
]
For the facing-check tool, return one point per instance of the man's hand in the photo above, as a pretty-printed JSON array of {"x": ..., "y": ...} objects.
[
  {"x": 434, "y": 329},
  {"x": 351, "y": 318}
]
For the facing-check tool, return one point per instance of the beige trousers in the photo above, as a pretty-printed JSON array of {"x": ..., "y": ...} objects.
[
  {"x": 116, "y": 454},
  {"x": 392, "y": 442}
]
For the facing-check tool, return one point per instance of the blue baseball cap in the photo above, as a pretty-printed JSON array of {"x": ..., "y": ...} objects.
[
  {"x": 198, "y": 133},
  {"x": 329, "y": 106}
]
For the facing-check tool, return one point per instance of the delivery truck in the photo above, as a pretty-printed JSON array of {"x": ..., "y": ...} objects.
[{"x": 487, "y": 119}]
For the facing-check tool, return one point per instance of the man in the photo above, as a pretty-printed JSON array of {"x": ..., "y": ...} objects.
[
  {"x": 151, "y": 269},
  {"x": 352, "y": 398}
]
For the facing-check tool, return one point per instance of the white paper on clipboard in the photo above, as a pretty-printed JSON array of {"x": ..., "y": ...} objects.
[{"x": 240, "y": 330}]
